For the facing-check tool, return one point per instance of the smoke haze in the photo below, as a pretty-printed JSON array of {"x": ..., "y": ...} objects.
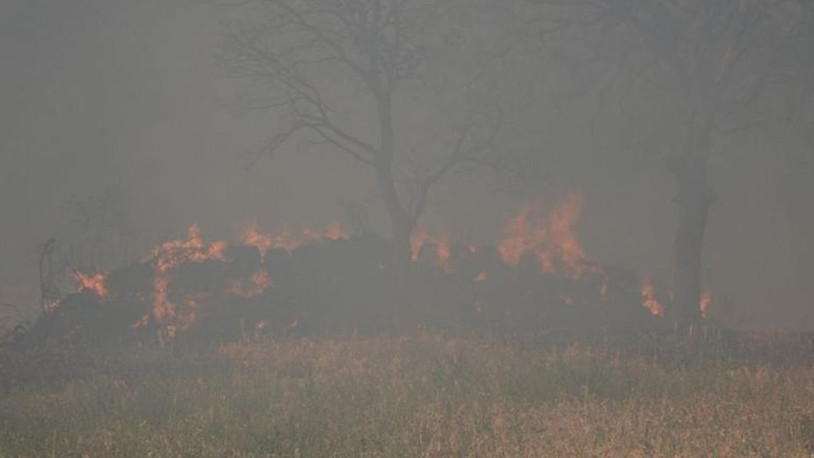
[{"x": 121, "y": 98}]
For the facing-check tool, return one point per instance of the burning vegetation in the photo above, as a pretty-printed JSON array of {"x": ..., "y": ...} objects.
[
  {"x": 536, "y": 278},
  {"x": 649, "y": 300},
  {"x": 94, "y": 283}
]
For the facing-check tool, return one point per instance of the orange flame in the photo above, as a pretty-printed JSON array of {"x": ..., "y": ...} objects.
[
  {"x": 420, "y": 237},
  {"x": 94, "y": 283},
  {"x": 172, "y": 253},
  {"x": 254, "y": 286},
  {"x": 481, "y": 277},
  {"x": 51, "y": 304},
  {"x": 289, "y": 240},
  {"x": 334, "y": 232},
  {"x": 703, "y": 303},
  {"x": 649, "y": 300},
  {"x": 251, "y": 236},
  {"x": 552, "y": 241},
  {"x": 176, "y": 316}
]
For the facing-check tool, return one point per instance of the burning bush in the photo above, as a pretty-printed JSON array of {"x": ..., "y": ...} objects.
[{"x": 536, "y": 280}]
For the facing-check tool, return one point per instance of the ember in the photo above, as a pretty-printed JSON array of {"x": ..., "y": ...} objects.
[
  {"x": 94, "y": 283},
  {"x": 649, "y": 300}
]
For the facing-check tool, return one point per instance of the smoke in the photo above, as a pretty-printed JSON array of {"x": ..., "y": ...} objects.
[{"x": 101, "y": 97}]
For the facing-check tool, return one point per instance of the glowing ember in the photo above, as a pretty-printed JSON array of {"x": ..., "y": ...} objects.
[
  {"x": 173, "y": 253},
  {"x": 178, "y": 315},
  {"x": 94, "y": 283},
  {"x": 442, "y": 252},
  {"x": 251, "y": 236},
  {"x": 649, "y": 300},
  {"x": 334, "y": 231},
  {"x": 703, "y": 303},
  {"x": 421, "y": 237},
  {"x": 254, "y": 286},
  {"x": 51, "y": 304},
  {"x": 289, "y": 240}
]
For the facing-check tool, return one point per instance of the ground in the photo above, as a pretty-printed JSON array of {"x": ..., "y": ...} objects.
[{"x": 422, "y": 395}]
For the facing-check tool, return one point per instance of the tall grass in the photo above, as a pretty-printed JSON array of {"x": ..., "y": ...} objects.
[{"x": 411, "y": 396}]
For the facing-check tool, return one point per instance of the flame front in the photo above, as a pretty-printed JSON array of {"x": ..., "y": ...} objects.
[
  {"x": 176, "y": 316},
  {"x": 254, "y": 286},
  {"x": 552, "y": 241},
  {"x": 49, "y": 305},
  {"x": 251, "y": 236},
  {"x": 94, "y": 283},
  {"x": 649, "y": 300},
  {"x": 421, "y": 237},
  {"x": 288, "y": 239},
  {"x": 703, "y": 303}
]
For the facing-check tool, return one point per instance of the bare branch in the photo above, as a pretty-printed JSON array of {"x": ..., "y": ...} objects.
[
  {"x": 274, "y": 144},
  {"x": 464, "y": 150}
]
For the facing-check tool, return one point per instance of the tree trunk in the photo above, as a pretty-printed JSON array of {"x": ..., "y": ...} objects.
[
  {"x": 401, "y": 222},
  {"x": 401, "y": 230},
  {"x": 694, "y": 196}
]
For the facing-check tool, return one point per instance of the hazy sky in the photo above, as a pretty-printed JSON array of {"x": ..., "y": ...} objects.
[{"x": 100, "y": 93}]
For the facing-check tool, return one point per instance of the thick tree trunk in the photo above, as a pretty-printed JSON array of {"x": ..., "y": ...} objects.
[
  {"x": 401, "y": 222},
  {"x": 694, "y": 197},
  {"x": 401, "y": 230}
]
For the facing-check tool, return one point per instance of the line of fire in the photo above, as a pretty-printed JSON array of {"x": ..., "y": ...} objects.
[{"x": 536, "y": 279}]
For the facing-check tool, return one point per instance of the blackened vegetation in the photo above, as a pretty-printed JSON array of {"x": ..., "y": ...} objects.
[{"x": 342, "y": 287}]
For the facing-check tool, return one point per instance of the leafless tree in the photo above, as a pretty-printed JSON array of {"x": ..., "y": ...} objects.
[
  {"x": 707, "y": 66},
  {"x": 318, "y": 64}
]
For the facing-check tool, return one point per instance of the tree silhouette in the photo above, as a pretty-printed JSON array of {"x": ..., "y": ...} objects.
[
  {"x": 303, "y": 58},
  {"x": 705, "y": 69}
]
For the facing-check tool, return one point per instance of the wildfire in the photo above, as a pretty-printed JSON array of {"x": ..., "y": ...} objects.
[
  {"x": 288, "y": 239},
  {"x": 172, "y": 253},
  {"x": 94, "y": 283},
  {"x": 703, "y": 303},
  {"x": 549, "y": 242},
  {"x": 441, "y": 244},
  {"x": 251, "y": 236},
  {"x": 175, "y": 316},
  {"x": 254, "y": 286},
  {"x": 51, "y": 304},
  {"x": 335, "y": 231},
  {"x": 552, "y": 241},
  {"x": 649, "y": 300}
]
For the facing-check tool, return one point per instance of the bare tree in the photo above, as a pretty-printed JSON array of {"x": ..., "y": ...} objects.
[
  {"x": 705, "y": 67},
  {"x": 304, "y": 57}
]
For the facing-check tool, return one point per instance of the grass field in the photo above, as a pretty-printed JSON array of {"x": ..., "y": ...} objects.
[{"x": 411, "y": 396}]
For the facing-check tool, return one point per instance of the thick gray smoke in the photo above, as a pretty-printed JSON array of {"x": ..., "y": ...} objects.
[{"x": 117, "y": 112}]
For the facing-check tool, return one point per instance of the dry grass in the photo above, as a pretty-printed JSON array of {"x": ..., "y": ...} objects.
[{"x": 417, "y": 396}]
